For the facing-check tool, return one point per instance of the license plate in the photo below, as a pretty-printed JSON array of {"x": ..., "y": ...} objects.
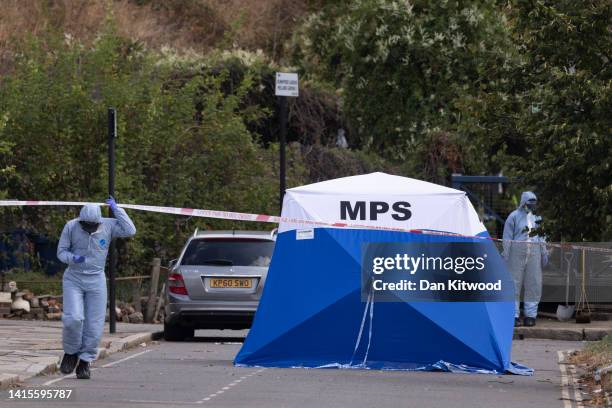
[{"x": 231, "y": 283}]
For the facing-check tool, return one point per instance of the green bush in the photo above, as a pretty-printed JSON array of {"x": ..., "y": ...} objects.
[
  {"x": 401, "y": 65},
  {"x": 183, "y": 139}
]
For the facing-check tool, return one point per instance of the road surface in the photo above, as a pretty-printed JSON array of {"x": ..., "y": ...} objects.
[{"x": 200, "y": 373}]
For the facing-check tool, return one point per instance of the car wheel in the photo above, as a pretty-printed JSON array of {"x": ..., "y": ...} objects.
[{"x": 176, "y": 333}]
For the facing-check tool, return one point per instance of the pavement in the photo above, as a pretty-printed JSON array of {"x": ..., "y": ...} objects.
[
  {"x": 200, "y": 373},
  {"x": 29, "y": 348}
]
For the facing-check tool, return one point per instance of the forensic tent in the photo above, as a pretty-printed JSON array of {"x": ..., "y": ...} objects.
[{"x": 312, "y": 312}]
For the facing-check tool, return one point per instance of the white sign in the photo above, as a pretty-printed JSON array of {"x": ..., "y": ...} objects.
[
  {"x": 286, "y": 84},
  {"x": 304, "y": 234}
]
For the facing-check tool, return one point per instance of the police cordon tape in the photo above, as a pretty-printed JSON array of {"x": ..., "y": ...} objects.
[{"x": 238, "y": 216}]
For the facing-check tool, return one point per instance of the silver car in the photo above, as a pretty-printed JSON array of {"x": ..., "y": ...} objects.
[{"x": 217, "y": 281}]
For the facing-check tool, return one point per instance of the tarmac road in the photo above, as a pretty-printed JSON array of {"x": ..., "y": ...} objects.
[{"x": 200, "y": 373}]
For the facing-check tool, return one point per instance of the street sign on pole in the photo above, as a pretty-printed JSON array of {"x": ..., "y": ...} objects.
[{"x": 286, "y": 86}]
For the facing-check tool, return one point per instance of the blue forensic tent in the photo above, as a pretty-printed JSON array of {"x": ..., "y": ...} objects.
[{"x": 312, "y": 315}]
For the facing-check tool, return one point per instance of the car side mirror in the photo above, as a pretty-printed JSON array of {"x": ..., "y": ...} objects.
[{"x": 171, "y": 264}]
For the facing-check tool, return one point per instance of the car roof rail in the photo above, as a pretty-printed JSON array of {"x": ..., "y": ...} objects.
[{"x": 195, "y": 233}]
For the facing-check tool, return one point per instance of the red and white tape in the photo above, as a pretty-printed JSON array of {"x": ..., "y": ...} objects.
[
  {"x": 238, "y": 216},
  {"x": 195, "y": 212}
]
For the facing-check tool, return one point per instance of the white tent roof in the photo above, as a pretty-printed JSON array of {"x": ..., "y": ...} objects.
[
  {"x": 375, "y": 183},
  {"x": 380, "y": 199}
]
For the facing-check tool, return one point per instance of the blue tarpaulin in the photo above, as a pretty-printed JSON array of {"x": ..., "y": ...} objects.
[{"x": 312, "y": 313}]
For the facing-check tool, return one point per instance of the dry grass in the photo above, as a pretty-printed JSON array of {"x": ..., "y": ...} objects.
[
  {"x": 177, "y": 23},
  {"x": 182, "y": 24},
  {"x": 262, "y": 24},
  {"x": 595, "y": 355}
]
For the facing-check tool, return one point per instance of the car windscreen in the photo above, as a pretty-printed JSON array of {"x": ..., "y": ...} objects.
[{"x": 229, "y": 252}]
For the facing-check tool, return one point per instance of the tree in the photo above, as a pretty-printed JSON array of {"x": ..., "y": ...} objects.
[
  {"x": 547, "y": 121},
  {"x": 183, "y": 138},
  {"x": 402, "y": 65},
  {"x": 567, "y": 48}
]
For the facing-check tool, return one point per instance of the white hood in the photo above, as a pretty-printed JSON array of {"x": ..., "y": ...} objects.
[{"x": 91, "y": 213}]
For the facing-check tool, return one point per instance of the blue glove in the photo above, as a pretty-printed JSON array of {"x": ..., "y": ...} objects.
[
  {"x": 78, "y": 259},
  {"x": 112, "y": 204}
]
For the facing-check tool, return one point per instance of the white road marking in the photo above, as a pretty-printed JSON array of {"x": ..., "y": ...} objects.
[
  {"x": 564, "y": 381},
  {"x": 202, "y": 401},
  {"x": 96, "y": 368},
  {"x": 568, "y": 375},
  {"x": 228, "y": 387},
  {"x": 59, "y": 379},
  {"x": 577, "y": 392},
  {"x": 125, "y": 359}
]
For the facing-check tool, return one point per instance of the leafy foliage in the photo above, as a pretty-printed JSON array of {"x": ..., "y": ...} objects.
[
  {"x": 548, "y": 122},
  {"x": 566, "y": 122},
  {"x": 183, "y": 138},
  {"x": 401, "y": 64},
  {"x": 424, "y": 89},
  {"x": 521, "y": 88}
]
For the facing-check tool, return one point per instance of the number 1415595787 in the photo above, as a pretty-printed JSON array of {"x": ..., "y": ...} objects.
[{"x": 37, "y": 393}]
